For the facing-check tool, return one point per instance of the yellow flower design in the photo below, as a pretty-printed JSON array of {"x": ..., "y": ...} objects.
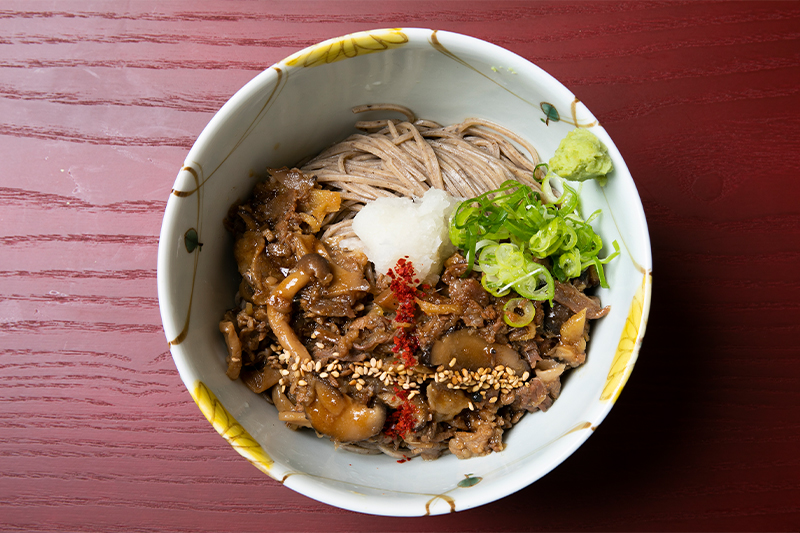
[
  {"x": 629, "y": 343},
  {"x": 364, "y": 42},
  {"x": 230, "y": 429}
]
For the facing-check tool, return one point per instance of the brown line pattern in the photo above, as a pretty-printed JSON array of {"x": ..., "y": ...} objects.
[
  {"x": 53, "y": 399},
  {"x": 133, "y": 240},
  {"x": 160, "y": 38},
  {"x": 34, "y": 381},
  {"x": 203, "y": 103},
  {"x": 166, "y": 64},
  {"x": 50, "y": 365},
  {"x": 85, "y": 385},
  {"x": 443, "y": 15},
  {"x": 27, "y": 326},
  {"x": 61, "y": 134},
  {"x": 131, "y": 275},
  {"x": 138, "y": 504},
  {"x": 129, "y": 477},
  {"x": 529, "y": 11},
  {"x": 124, "y": 419},
  {"x": 10, "y": 196},
  {"x": 28, "y": 353},
  {"x": 183, "y": 425},
  {"x": 102, "y": 443},
  {"x": 133, "y": 302}
]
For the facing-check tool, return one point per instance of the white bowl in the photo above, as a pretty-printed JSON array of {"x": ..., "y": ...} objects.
[{"x": 296, "y": 108}]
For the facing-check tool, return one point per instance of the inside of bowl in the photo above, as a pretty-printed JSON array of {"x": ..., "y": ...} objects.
[{"x": 291, "y": 112}]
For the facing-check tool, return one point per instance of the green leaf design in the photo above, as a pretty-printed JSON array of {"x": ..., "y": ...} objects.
[
  {"x": 550, "y": 112},
  {"x": 469, "y": 481},
  {"x": 191, "y": 240}
]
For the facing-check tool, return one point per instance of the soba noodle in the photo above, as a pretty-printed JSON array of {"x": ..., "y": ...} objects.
[{"x": 407, "y": 157}]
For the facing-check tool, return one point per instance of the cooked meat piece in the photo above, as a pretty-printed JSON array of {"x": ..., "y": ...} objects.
[
  {"x": 587, "y": 280},
  {"x": 466, "y": 290},
  {"x": 530, "y": 396},
  {"x": 575, "y": 300},
  {"x": 428, "y": 332},
  {"x": 554, "y": 318},
  {"x": 484, "y": 438},
  {"x": 454, "y": 268},
  {"x": 234, "y": 358},
  {"x": 529, "y": 350}
]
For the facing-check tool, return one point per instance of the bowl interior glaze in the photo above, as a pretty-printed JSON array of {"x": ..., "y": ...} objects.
[{"x": 295, "y": 109}]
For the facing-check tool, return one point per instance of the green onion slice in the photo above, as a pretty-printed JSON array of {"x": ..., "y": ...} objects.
[
  {"x": 507, "y": 232},
  {"x": 518, "y": 312}
]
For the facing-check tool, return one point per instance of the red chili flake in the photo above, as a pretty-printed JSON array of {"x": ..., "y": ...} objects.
[
  {"x": 403, "y": 419},
  {"x": 403, "y": 460},
  {"x": 405, "y": 344}
]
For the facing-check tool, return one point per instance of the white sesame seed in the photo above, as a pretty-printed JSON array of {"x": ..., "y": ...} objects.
[
  {"x": 323, "y": 375},
  {"x": 359, "y": 386},
  {"x": 471, "y": 407},
  {"x": 302, "y": 383},
  {"x": 452, "y": 362},
  {"x": 335, "y": 374},
  {"x": 319, "y": 345},
  {"x": 492, "y": 400},
  {"x": 525, "y": 376}
]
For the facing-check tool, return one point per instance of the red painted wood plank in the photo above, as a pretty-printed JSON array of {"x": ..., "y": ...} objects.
[{"x": 99, "y": 102}]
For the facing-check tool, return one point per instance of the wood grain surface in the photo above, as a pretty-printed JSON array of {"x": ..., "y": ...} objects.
[{"x": 99, "y": 104}]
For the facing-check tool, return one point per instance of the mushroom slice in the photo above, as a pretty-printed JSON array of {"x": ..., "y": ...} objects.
[{"x": 338, "y": 416}]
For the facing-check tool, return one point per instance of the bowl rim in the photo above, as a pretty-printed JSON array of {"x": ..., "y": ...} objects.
[{"x": 306, "y": 485}]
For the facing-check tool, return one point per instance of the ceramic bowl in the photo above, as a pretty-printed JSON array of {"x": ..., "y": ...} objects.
[{"x": 296, "y": 108}]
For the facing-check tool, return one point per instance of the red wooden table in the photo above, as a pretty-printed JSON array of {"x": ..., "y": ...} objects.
[{"x": 99, "y": 104}]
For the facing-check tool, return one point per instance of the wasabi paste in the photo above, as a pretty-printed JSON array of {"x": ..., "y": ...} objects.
[{"x": 581, "y": 156}]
